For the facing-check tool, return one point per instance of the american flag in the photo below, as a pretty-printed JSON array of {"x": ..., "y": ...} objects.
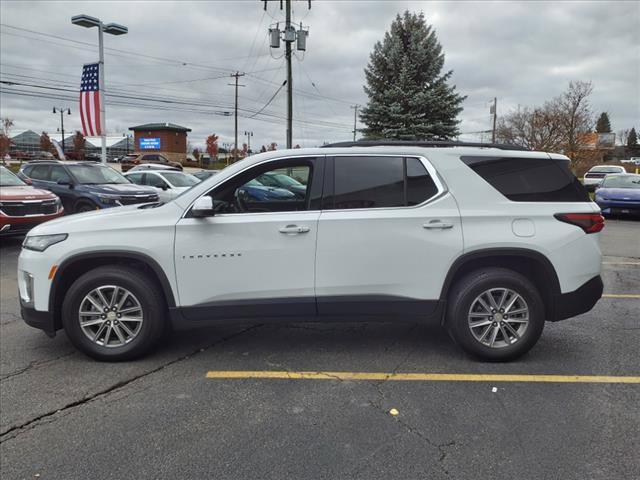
[{"x": 90, "y": 100}]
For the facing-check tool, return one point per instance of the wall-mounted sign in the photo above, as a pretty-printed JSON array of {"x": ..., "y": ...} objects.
[{"x": 149, "y": 144}]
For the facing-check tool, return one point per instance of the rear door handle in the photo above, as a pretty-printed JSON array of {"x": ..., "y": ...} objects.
[
  {"x": 293, "y": 229},
  {"x": 437, "y": 224}
]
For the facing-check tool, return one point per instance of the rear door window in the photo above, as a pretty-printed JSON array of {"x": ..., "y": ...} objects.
[
  {"x": 529, "y": 179},
  {"x": 380, "y": 182}
]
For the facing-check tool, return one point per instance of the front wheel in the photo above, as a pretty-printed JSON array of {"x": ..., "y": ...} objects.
[
  {"x": 495, "y": 314},
  {"x": 114, "y": 313}
]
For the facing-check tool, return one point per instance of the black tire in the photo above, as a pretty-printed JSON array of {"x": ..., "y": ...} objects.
[
  {"x": 146, "y": 292},
  {"x": 84, "y": 206},
  {"x": 463, "y": 296}
]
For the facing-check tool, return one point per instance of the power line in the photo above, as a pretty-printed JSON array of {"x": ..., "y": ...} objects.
[{"x": 270, "y": 100}]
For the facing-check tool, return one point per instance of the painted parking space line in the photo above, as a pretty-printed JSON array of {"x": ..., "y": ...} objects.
[
  {"x": 620, "y": 263},
  {"x": 621, "y": 295},
  {"x": 417, "y": 377}
]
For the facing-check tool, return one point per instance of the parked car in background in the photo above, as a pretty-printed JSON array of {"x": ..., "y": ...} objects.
[
  {"x": 42, "y": 155},
  {"x": 282, "y": 180},
  {"x": 204, "y": 174},
  {"x": 153, "y": 166},
  {"x": 86, "y": 186},
  {"x": 595, "y": 175},
  {"x": 23, "y": 207},
  {"x": 129, "y": 163},
  {"x": 167, "y": 184},
  {"x": 619, "y": 195}
]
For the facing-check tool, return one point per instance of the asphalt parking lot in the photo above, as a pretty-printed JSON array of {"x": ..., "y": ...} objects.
[{"x": 178, "y": 414}]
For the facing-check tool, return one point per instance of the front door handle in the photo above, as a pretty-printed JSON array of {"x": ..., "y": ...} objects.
[
  {"x": 433, "y": 224},
  {"x": 294, "y": 229}
]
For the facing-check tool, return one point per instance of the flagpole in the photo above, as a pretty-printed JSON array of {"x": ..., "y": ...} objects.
[{"x": 103, "y": 125}]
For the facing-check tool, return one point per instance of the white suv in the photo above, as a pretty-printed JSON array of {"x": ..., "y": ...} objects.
[{"x": 488, "y": 241}]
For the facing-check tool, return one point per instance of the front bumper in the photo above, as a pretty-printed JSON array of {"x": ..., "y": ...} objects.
[
  {"x": 36, "y": 319},
  {"x": 581, "y": 300},
  {"x": 20, "y": 225},
  {"x": 614, "y": 207}
]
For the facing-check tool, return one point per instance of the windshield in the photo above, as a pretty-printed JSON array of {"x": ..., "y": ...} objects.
[
  {"x": 622, "y": 181},
  {"x": 179, "y": 179},
  {"x": 606, "y": 169},
  {"x": 8, "y": 179},
  {"x": 96, "y": 174}
]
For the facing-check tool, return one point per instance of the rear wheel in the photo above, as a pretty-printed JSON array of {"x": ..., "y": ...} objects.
[
  {"x": 495, "y": 314},
  {"x": 114, "y": 313}
]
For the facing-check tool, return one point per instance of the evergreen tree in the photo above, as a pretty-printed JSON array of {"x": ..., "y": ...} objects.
[
  {"x": 603, "y": 125},
  {"x": 632, "y": 139},
  {"x": 409, "y": 97}
]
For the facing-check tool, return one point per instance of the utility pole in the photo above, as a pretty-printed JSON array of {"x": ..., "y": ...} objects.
[
  {"x": 287, "y": 55},
  {"x": 62, "y": 110},
  {"x": 290, "y": 35},
  {"x": 249, "y": 135},
  {"x": 494, "y": 110},
  {"x": 237, "y": 75},
  {"x": 355, "y": 119}
]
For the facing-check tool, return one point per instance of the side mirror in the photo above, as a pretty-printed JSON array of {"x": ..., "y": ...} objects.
[
  {"x": 64, "y": 182},
  {"x": 203, "y": 207},
  {"x": 27, "y": 180},
  {"x": 165, "y": 186}
]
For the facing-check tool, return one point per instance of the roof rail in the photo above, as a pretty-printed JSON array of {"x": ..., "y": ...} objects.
[{"x": 423, "y": 143}]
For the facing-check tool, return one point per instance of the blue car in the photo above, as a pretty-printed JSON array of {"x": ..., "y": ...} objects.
[
  {"x": 255, "y": 190},
  {"x": 86, "y": 186},
  {"x": 619, "y": 195}
]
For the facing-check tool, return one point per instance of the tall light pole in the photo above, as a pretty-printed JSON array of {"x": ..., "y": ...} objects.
[
  {"x": 62, "y": 110},
  {"x": 113, "y": 29},
  {"x": 249, "y": 135}
]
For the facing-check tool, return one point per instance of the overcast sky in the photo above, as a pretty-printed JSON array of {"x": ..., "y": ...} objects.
[{"x": 523, "y": 53}]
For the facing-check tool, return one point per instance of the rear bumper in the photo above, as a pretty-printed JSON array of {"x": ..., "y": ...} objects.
[
  {"x": 36, "y": 319},
  {"x": 579, "y": 301}
]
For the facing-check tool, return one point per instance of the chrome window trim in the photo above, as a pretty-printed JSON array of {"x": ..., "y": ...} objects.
[{"x": 437, "y": 179}]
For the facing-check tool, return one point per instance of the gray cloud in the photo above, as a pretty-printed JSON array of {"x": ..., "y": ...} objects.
[{"x": 521, "y": 52}]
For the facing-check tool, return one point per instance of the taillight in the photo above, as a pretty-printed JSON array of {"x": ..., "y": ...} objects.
[{"x": 589, "y": 222}]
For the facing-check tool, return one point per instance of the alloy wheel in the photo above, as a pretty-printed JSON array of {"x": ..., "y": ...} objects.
[
  {"x": 498, "y": 317},
  {"x": 110, "y": 316}
]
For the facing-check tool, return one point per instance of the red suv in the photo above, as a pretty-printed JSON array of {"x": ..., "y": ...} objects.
[{"x": 23, "y": 207}]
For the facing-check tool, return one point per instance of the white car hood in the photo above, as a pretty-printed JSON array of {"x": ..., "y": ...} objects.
[{"x": 127, "y": 217}]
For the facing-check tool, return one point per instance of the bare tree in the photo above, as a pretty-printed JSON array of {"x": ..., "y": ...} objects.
[
  {"x": 537, "y": 128},
  {"x": 555, "y": 126},
  {"x": 622, "y": 136},
  {"x": 575, "y": 114}
]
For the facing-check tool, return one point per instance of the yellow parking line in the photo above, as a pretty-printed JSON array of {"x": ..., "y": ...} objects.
[
  {"x": 418, "y": 377},
  {"x": 621, "y": 295}
]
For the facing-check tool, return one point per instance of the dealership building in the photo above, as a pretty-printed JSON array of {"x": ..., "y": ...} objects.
[{"x": 167, "y": 139}]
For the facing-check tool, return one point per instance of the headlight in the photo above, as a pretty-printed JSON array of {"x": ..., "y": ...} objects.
[
  {"x": 58, "y": 204},
  {"x": 110, "y": 199},
  {"x": 40, "y": 243}
]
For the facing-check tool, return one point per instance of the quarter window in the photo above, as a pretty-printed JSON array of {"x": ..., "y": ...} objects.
[
  {"x": 529, "y": 179},
  {"x": 379, "y": 182}
]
